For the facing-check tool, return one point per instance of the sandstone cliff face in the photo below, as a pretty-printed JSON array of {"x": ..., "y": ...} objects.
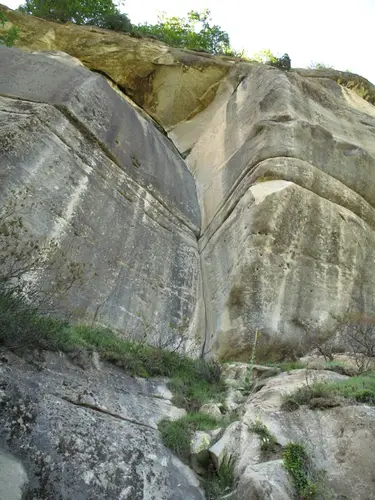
[
  {"x": 284, "y": 171},
  {"x": 110, "y": 190},
  {"x": 256, "y": 211},
  {"x": 282, "y": 164}
]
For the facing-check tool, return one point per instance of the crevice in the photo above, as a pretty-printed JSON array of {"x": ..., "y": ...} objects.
[
  {"x": 106, "y": 412},
  {"x": 124, "y": 90},
  {"x": 203, "y": 351},
  {"x": 241, "y": 79}
]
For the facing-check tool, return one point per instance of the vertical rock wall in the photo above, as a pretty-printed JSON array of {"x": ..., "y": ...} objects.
[
  {"x": 285, "y": 169},
  {"x": 106, "y": 186}
]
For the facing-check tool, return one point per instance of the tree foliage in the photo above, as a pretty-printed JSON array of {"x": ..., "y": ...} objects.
[
  {"x": 10, "y": 35},
  {"x": 114, "y": 22},
  {"x": 103, "y": 13},
  {"x": 193, "y": 32},
  {"x": 264, "y": 56},
  {"x": 320, "y": 65}
]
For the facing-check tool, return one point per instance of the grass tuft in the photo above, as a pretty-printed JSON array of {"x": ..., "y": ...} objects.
[
  {"x": 268, "y": 442},
  {"x": 194, "y": 382},
  {"x": 297, "y": 464},
  {"x": 320, "y": 395},
  {"x": 177, "y": 434},
  {"x": 221, "y": 482}
]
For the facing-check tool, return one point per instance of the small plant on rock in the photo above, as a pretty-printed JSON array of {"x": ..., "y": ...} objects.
[
  {"x": 249, "y": 378},
  {"x": 268, "y": 441},
  {"x": 177, "y": 434},
  {"x": 297, "y": 464},
  {"x": 221, "y": 481}
]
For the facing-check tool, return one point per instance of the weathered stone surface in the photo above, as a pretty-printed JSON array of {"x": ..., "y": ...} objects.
[
  {"x": 12, "y": 477},
  {"x": 270, "y": 396},
  {"x": 284, "y": 170},
  {"x": 212, "y": 410},
  {"x": 200, "y": 459},
  {"x": 283, "y": 162},
  {"x": 170, "y": 84},
  {"x": 132, "y": 224},
  {"x": 236, "y": 443},
  {"x": 337, "y": 440},
  {"x": 129, "y": 140},
  {"x": 265, "y": 481},
  {"x": 88, "y": 434}
]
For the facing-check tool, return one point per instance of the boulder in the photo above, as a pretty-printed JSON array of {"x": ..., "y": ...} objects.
[
  {"x": 338, "y": 441},
  {"x": 265, "y": 481},
  {"x": 69, "y": 433},
  {"x": 212, "y": 410}
]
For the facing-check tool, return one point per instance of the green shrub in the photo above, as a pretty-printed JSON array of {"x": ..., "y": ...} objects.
[
  {"x": 320, "y": 65},
  {"x": 268, "y": 442},
  {"x": 297, "y": 464},
  {"x": 193, "y": 32},
  {"x": 303, "y": 395},
  {"x": 63, "y": 11},
  {"x": 196, "y": 382},
  {"x": 359, "y": 389},
  {"x": 339, "y": 367},
  {"x": 221, "y": 482},
  {"x": 264, "y": 56},
  {"x": 115, "y": 21},
  {"x": 11, "y": 35},
  {"x": 287, "y": 366},
  {"x": 22, "y": 327},
  {"x": 177, "y": 434}
]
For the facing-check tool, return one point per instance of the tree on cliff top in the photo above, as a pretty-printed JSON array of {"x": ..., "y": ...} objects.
[
  {"x": 10, "y": 36},
  {"x": 97, "y": 12},
  {"x": 193, "y": 32}
]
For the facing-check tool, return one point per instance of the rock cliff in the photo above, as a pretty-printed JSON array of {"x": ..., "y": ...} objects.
[
  {"x": 208, "y": 198},
  {"x": 111, "y": 191},
  {"x": 255, "y": 212}
]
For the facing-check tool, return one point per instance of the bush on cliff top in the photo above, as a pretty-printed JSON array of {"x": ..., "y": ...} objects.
[
  {"x": 11, "y": 35},
  {"x": 102, "y": 13}
]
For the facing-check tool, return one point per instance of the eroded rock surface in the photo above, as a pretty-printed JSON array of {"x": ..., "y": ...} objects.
[
  {"x": 87, "y": 434},
  {"x": 170, "y": 84},
  {"x": 108, "y": 187},
  {"x": 338, "y": 441},
  {"x": 283, "y": 164},
  {"x": 284, "y": 167}
]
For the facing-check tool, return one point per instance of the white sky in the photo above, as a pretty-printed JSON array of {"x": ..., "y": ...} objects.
[{"x": 336, "y": 32}]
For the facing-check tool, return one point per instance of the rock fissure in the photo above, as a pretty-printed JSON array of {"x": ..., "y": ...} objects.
[{"x": 100, "y": 409}]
